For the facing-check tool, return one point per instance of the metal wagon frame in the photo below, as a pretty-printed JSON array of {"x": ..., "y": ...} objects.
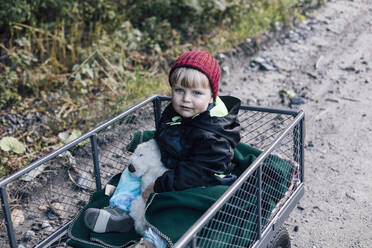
[{"x": 284, "y": 133}]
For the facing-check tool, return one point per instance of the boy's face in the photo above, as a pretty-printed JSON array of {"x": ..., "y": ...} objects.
[{"x": 190, "y": 101}]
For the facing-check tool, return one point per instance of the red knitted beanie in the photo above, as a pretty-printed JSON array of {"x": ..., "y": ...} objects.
[{"x": 203, "y": 62}]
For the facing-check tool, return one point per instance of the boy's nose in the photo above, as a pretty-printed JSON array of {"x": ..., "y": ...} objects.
[{"x": 186, "y": 97}]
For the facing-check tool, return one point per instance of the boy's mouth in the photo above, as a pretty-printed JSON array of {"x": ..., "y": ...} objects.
[{"x": 186, "y": 108}]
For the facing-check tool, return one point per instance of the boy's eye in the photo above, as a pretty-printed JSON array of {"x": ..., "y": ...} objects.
[
  {"x": 197, "y": 93},
  {"x": 178, "y": 90}
]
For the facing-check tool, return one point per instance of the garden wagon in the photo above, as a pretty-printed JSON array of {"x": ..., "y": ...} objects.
[{"x": 40, "y": 201}]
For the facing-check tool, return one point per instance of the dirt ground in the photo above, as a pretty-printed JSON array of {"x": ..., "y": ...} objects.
[{"x": 325, "y": 64}]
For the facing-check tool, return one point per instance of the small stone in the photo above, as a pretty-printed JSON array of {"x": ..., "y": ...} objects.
[
  {"x": 226, "y": 70},
  {"x": 221, "y": 56},
  {"x": 295, "y": 229},
  {"x": 45, "y": 224},
  {"x": 349, "y": 68},
  {"x": 29, "y": 116},
  {"x": 28, "y": 235},
  {"x": 262, "y": 64},
  {"x": 29, "y": 139},
  {"x": 300, "y": 208},
  {"x": 310, "y": 144},
  {"x": 296, "y": 100},
  {"x": 59, "y": 210},
  {"x": 18, "y": 217},
  {"x": 31, "y": 217},
  {"x": 43, "y": 208},
  {"x": 36, "y": 227},
  {"x": 85, "y": 180},
  {"x": 48, "y": 229},
  {"x": 51, "y": 215}
]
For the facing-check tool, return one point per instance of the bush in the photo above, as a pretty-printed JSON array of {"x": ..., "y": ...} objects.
[
  {"x": 13, "y": 11},
  {"x": 188, "y": 16},
  {"x": 50, "y": 12}
]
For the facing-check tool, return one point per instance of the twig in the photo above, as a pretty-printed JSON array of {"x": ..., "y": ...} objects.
[
  {"x": 318, "y": 62},
  {"x": 71, "y": 178},
  {"x": 72, "y": 109},
  {"x": 310, "y": 74},
  {"x": 331, "y": 100},
  {"x": 109, "y": 76},
  {"x": 349, "y": 99},
  {"x": 83, "y": 63},
  {"x": 68, "y": 100},
  {"x": 112, "y": 67},
  {"x": 31, "y": 28}
]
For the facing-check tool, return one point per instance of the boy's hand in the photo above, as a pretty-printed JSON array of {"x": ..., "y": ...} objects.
[{"x": 147, "y": 192}]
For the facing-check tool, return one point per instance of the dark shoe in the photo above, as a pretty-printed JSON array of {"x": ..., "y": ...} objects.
[{"x": 108, "y": 219}]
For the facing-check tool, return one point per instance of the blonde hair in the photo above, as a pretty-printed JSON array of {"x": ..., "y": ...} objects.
[{"x": 189, "y": 78}]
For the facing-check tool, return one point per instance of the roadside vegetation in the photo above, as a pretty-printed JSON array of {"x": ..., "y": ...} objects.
[{"x": 72, "y": 64}]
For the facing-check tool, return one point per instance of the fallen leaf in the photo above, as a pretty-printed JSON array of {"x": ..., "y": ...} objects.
[
  {"x": 74, "y": 135},
  {"x": 67, "y": 137},
  {"x": 12, "y": 144},
  {"x": 34, "y": 173}
]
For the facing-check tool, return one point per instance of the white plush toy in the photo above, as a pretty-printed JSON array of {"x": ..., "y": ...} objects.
[{"x": 145, "y": 163}]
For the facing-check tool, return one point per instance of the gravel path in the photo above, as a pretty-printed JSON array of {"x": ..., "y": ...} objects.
[{"x": 325, "y": 64}]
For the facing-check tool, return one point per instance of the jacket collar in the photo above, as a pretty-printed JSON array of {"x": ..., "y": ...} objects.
[{"x": 219, "y": 109}]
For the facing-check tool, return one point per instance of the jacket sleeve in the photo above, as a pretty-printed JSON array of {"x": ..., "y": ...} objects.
[{"x": 208, "y": 155}]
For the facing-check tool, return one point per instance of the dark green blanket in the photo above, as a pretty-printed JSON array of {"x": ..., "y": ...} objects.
[{"x": 171, "y": 214}]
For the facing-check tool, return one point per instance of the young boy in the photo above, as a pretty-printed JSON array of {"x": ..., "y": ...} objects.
[{"x": 197, "y": 134}]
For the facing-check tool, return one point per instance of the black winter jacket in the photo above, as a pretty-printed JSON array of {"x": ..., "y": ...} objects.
[{"x": 197, "y": 151}]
